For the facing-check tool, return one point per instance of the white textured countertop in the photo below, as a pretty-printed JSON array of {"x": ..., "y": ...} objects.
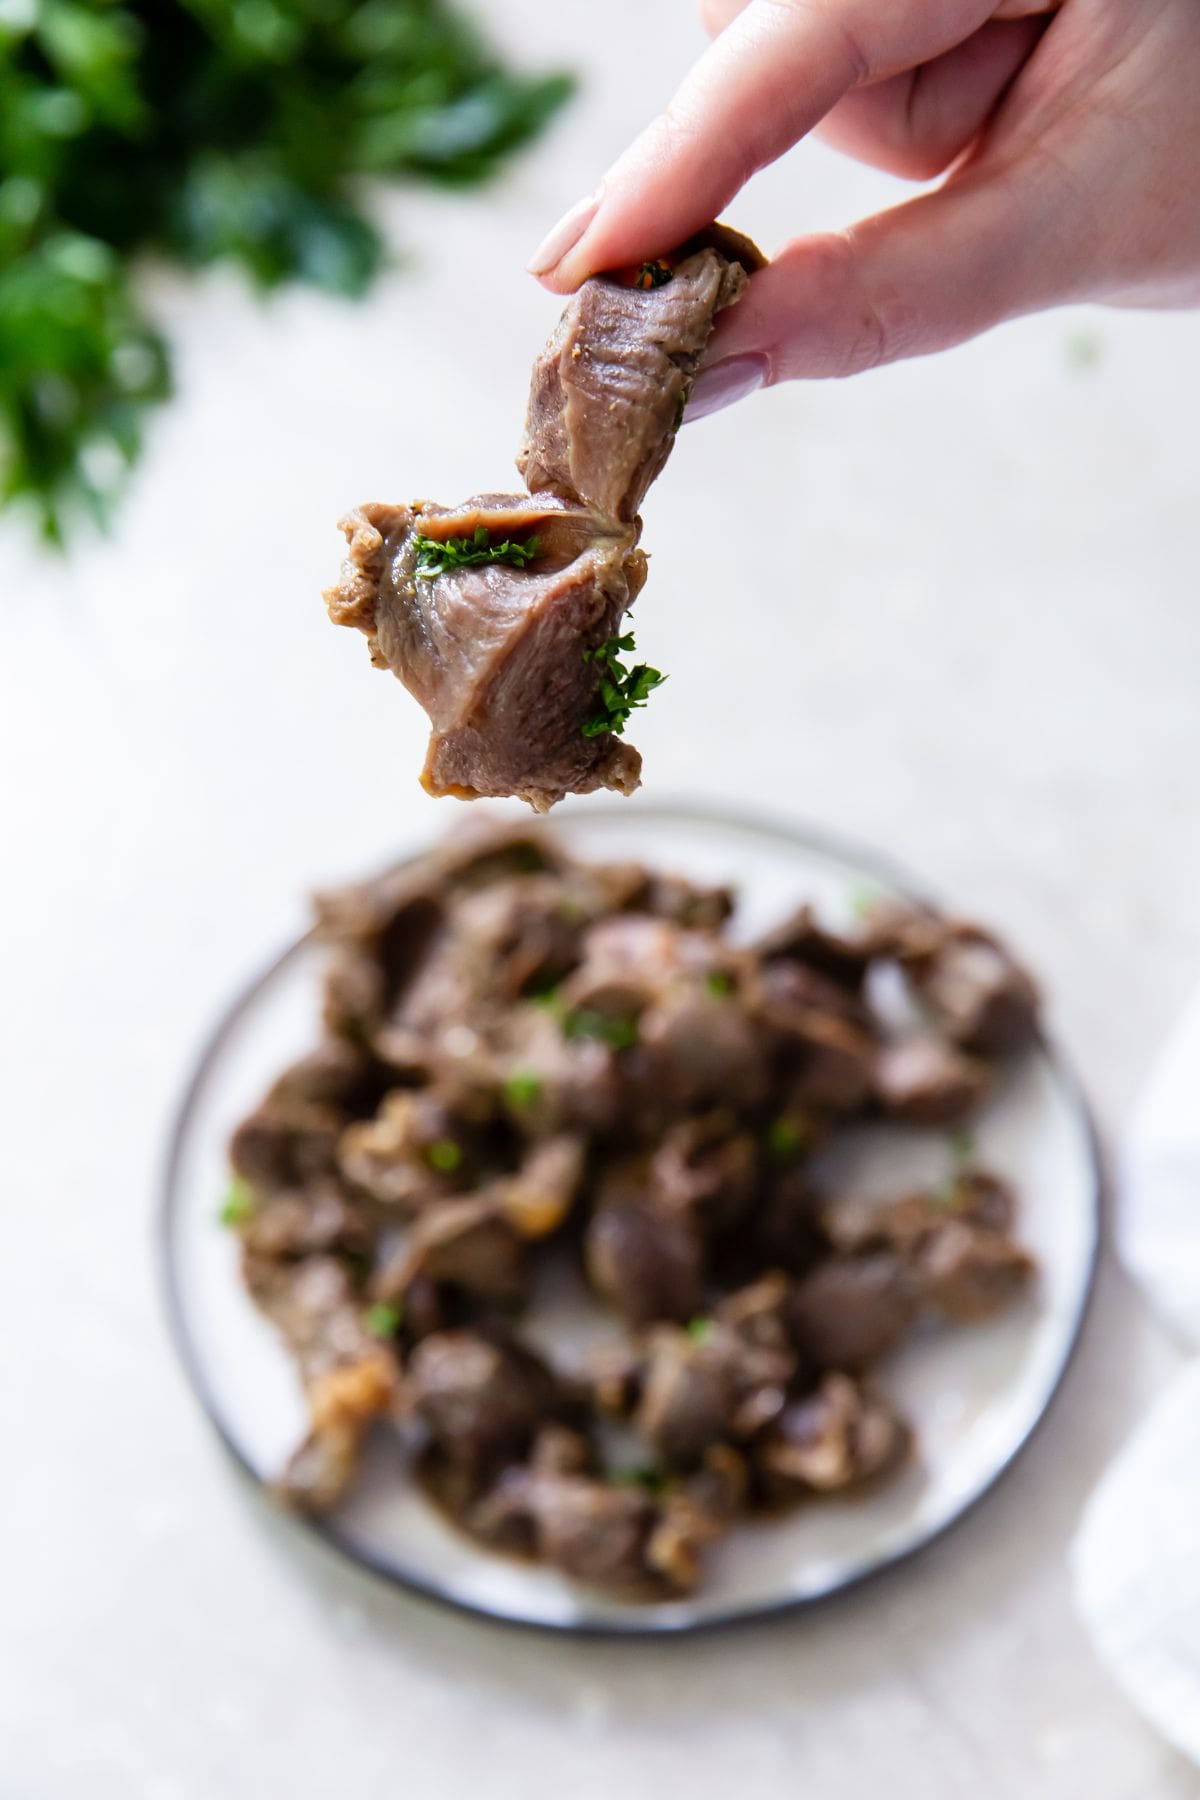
[{"x": 958, "y": 615}]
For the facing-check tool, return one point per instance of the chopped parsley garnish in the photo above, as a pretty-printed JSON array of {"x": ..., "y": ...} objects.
[
  {"x": 611, "y": 648},
  {"x": 444, "y": 1155},
  {"x": 962, "y": 1143},
  {"x": 1083, "y": 350},
  {"x": 382, "y": 1320},
  {"x": 864, "y": 899},
  {"x": 523, "y": 1088},
  {"x": 621, "y": 688},
  {"x": 238, "y": 1204},
  {"x": 652, "y": 275},
  {"x": 640, "y": 1475},
  {"x": 436, "y": 555},
  {"x": 784, "y": 1139},
  {"x": 718, "y": 983},
  {"x": 681, "y": 409},
  {"x": 618, "y": 1031},
  {"x": 700, "y": 1329}
]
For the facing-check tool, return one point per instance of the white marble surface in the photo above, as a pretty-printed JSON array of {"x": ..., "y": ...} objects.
[{"x": 951, "y": 608}]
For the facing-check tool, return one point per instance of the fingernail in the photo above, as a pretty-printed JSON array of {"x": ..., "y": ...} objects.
[
  {"x": 564, "y": 236},
  {"x": 722, "y": 383}
]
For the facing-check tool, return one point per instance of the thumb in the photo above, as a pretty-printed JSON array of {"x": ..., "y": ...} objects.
[{"x": 918, "y": 278}]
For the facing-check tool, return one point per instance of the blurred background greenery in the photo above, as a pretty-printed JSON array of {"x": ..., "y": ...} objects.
[{"x": 202, "y": 130}]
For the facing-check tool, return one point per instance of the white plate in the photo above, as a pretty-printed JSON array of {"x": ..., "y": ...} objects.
[{"x": 974, "y": 1394}]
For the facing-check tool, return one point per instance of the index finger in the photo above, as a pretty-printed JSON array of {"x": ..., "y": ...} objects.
[
  {"x": 715, "y": 15},
  {"x": 771, "y": 75}
]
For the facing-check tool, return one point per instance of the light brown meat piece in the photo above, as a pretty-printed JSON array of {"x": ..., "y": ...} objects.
[
  {"x": 926, "y": 1081},
  {"x": 838, "y": 1436},
  {"x": 482, "y": 1398},
  {"x": 500, "y": 649},
  {"x": 350, "y": 1378},
  {"x": 609, "y": 390},
  {"x": 589, "y": 1530},
  {"x": 646, "y": 1267},
  {"x": 495, "y": 653},
  {"x": 978, "y": 993},
  {"x": 850, "y": 1311}
]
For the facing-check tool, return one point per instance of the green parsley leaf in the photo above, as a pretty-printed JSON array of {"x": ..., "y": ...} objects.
[
  {"x": 785, "y": 1139},
  {"x": 640, "y": 1475},
  {"x": 383, "y": 1320},
  {"x": 238, "y": 1204},
  {"x": 864, "y": 899},
  {"x": 610, "y": 649},
  {"x": 1083, "y": 350},
  {"x": 436, "y": 555},
  {"x": 718, "y": 983},
  {"x": 618, "y": 1031},
  {"x": 961, "y": 1143},
  {"x": 444, "y": 1155},
  {"x": 620, "y": 689},
  {"x": 523, "y": 1088},
  {"x": 700, "y": 1329}
]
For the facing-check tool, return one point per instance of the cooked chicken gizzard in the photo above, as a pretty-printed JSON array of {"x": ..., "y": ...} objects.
[
  {"x": 530, "y": 1063},
  {"x": 503, "y": 616}
]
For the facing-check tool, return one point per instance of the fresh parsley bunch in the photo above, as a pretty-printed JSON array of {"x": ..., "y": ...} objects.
[{"x": 200, "y": 130}]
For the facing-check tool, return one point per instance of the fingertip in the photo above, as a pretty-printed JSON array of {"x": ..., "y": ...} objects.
[
  {"x": 553, "y": 282},
  {"x": 546, "y": 261},
  {"x": 572, "y": 271},
  {"x": 668, "y": 185}
]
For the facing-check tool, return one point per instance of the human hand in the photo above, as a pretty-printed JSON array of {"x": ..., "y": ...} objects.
[{"x": 1070, "y": 134}]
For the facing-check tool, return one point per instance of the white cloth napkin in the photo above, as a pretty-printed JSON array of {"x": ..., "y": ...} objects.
[{"x": 1136, "y": 1558}]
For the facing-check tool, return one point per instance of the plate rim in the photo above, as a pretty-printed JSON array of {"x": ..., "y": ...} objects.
[{"x": 643, "y": 1624}]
